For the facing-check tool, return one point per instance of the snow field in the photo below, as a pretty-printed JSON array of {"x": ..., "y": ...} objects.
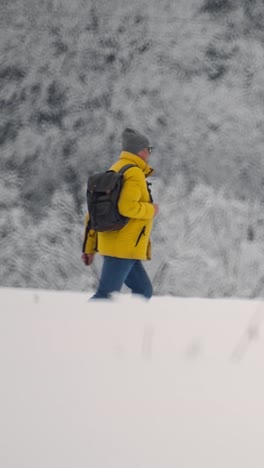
[{"x": 168, "y": 383}]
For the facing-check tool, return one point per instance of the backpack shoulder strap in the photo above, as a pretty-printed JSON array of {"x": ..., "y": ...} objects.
[{"x": 125, "y": 168}]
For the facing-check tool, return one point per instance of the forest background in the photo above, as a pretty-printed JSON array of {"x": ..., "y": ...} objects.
[{"x": 189, "y": 74}]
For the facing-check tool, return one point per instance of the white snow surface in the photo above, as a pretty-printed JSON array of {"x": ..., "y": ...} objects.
[{"x": 126, "y": 383}]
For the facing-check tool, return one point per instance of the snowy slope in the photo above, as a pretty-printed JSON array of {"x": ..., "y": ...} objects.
[{"x": 129, "y": 384}]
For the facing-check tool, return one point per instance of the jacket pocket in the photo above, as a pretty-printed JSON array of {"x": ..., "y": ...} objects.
[{"x": 142, "y": 233}]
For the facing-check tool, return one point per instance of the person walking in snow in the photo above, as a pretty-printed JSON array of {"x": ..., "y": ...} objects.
[{"x": 124, "y": 250}]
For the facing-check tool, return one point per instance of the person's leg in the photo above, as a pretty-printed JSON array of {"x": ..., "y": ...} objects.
[
  {"x": 113, "y": 276},
  {"x": 138, "y": 281}
]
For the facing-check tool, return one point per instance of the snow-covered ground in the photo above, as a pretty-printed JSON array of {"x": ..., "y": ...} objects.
[{"x": 130, "y": 384}]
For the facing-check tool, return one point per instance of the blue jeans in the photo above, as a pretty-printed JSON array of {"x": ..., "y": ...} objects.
[{"x": 119, "y": 271}]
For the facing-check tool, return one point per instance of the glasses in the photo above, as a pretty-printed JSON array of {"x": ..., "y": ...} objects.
[{"x": 150, "y": 149}]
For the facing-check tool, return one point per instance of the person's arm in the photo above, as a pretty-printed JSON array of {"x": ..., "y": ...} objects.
[{"x": 130, "y": 203}]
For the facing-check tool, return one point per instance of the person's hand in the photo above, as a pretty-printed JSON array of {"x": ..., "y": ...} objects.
[
  {"x": 156, "y": 208},
  {"x": 87, "y": 259}
]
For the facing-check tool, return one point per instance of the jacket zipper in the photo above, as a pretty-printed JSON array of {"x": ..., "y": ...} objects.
[
  {"x": 142, "y": 232},
  {"x": 149, "y": 191}
]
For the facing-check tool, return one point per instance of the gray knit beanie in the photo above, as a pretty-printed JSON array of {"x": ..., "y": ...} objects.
[{"x": 133, "y": 141}]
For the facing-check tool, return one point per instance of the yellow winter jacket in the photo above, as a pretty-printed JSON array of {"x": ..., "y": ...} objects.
[{"x": 133, "y": 240}]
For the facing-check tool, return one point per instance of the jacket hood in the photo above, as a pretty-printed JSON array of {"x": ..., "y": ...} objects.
[{"x": 130, "y": 158}]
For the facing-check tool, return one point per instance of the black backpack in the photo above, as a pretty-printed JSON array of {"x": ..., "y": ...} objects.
[{"x": 103, "y": 190}]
